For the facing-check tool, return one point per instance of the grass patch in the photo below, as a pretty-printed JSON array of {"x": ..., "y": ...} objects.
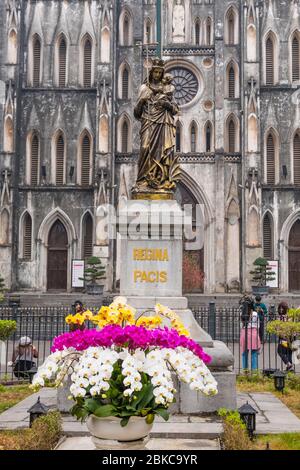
[
  {"x": 44, "y": 434},
  {"x": 11, "y": 395},
  {"x": 258, "y": 383},
  {"x": 288, "y": 441}
]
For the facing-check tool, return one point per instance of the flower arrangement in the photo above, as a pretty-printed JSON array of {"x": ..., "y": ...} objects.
[{"x": 124, "y": 367}]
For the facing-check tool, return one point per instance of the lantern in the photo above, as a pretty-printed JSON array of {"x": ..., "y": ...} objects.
[
  {"x": 248, "y": 416},
  {"x": 37, "y": 410},
  {"x": 279, "y": 380}
]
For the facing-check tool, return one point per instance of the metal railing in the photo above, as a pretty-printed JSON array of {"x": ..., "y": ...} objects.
[{"x": 42, "y": 324}]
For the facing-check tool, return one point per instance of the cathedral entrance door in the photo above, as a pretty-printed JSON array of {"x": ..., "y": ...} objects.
[
  {"x": 294, "y": 258},
  {"x": 192, "y": 258},
  {"x": 57, "y": 257}
]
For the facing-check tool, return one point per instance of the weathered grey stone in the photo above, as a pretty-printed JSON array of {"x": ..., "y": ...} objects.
[
  {"x": 192, "y": 402},
  {"x": 221, "y": 355},
  {"x": 63, "y": 404}
]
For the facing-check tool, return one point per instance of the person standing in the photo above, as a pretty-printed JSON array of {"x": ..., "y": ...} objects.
[
  {"x": 23, "y": 357},
  {"x": 249, "y": 338},
  {"x": 262, "y": 311},
  {"x": 284, "y": 347}
]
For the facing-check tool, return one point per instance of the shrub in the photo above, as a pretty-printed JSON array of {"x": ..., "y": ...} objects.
[
  {"x": 235, "y": 436},
  {"x": 7, "y": 328},
  {"x": 45, "y": 432}
]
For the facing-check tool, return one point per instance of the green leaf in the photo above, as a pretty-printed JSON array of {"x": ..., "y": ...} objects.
[
  {"x": 163, "y": 413},
  {"x": 104, "y": 411},
  {"x": 146, "y": 397},
  {"x": 91, "y": 404},
  {"x": 124, "y": 422}
]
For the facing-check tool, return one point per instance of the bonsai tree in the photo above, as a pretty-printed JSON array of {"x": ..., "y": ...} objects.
[
  {"x": 94, "y": 271},
  {"x": 262, "y": 272}
]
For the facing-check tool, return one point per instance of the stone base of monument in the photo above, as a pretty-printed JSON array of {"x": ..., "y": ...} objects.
[
  {"x": 221, "y": 365},
  {"x": 63, "y": 404}
]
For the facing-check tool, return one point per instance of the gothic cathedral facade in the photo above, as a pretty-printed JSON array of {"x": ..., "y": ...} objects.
[{"x": 70, "y": 71}]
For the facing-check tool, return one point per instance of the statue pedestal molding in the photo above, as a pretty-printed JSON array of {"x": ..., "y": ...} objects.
[{"x": 152, "y": 273}]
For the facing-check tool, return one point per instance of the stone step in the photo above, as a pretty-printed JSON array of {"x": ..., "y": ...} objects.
[
  {"x": 85, "y": 443},
  {"x": 160, "y": 430},
  {"x": 57, "y": 299}
]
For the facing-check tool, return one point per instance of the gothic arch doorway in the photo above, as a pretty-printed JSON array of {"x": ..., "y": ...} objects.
[
  {"x": 193, "y": 258},
  {"x": 294, "y": 258},
  {"x": 57, "y": 265}
]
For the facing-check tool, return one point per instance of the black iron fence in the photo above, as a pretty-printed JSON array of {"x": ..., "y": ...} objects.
[{"x": 42, "y": 324}]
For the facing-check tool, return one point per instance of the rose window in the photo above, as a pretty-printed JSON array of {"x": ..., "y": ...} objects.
[{"x": 186, "y": 85}]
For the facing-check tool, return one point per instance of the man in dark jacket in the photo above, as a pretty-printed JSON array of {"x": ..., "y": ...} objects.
[{"x": 262, "y": 311}]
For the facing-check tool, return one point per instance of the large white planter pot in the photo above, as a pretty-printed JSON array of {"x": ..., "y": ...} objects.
[{"x": 108, "y": 432}]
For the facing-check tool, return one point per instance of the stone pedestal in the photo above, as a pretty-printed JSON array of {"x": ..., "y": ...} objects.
[
  {"x": 63, "y": 403},
  {"x": 152, "y": 273}
]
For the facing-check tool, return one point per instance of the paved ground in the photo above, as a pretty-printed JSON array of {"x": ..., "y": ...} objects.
[{"x": 273, "y": 417}]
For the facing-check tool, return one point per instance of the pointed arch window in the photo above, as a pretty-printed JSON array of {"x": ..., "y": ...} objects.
[
  {"x": 62, "y": 62},
  {"x": 193, "y": 137},
  {"x": 105, "y": 45},
  {"x": 87, "y": 231},
  {"x": 270, "y": 61},
  {"x": 267, "y": 237},
  {"x": 178, "y": 137},
  {"x": 125, "y": 137},
  {"x": 148, "y": 31},
  {"x": 197, "y": 32},
  {"x": 35, "y": 151},
  {"x": 85, "y": 160},
  {"x": 27, "y": 237},
  {"x": 12, "y": 51},
  {"x": 208, "y": 32},
  {"x": 208, "y": 138},
  {"x": 231, "y": 136},
  {"x": 36, "y": 65},
  {"x": 126, "y": 30},
  {"x": 125, "y": 84},
  {"x": 231, "y": 27},
  {"x": 4, "y": 227},
  {"x": 296, "y": 159},
  {"x": 270, "y": 159},
  {"x": 295, "y": 59},
  {"x": 87, "y": 63},
  {"x": 60, "y": 160},
  {"x": 8, "y": 135},
  {"x": 231, "y": 82}
]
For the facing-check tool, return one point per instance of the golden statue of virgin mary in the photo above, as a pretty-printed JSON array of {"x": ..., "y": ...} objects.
[{"x": 156, "y": 108}]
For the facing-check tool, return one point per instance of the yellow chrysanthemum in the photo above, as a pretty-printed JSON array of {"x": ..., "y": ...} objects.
[
  {"x": 78, "y": 319},
  {"x": 69, "y": 319},
  {"x": 87, "y": 315}
]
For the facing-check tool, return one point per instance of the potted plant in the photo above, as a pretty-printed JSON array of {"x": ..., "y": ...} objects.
[
  {"x": 93, "y": 273},
  {"x": 261, "y": 275},
  {"x": 121, "y": 372}
]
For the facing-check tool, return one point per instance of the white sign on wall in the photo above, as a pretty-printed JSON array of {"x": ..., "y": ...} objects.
[
  {"x": 275, "y": 269},
  {"x": 77, "y": 272}
]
